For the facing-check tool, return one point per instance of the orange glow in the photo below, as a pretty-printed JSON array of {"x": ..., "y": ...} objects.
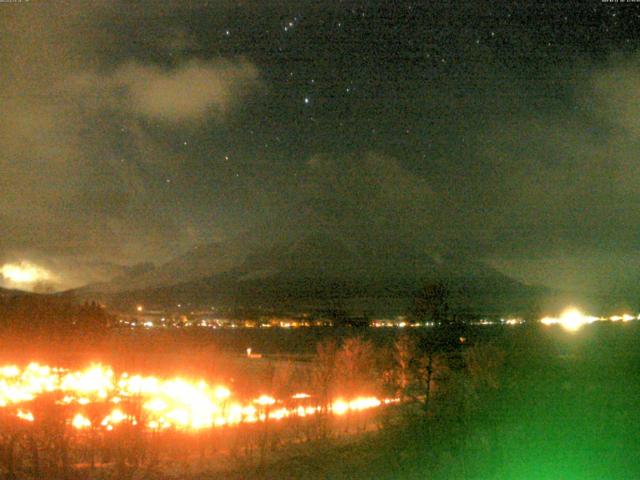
[
  {"x": 163, "y": 403},
  {"x": 301, "y": 395},
  {"x": 28, "y": 416},
  {"x": 21, "y": 273},
  {"x": 265, "y": 400},
  {"x": 80, "y": 421}
]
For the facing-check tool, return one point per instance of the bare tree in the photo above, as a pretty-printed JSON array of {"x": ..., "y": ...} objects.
[
  {"x": 404, "y": 349},
  {"x": 432, "y": 304},
  {"x": 419, "y": 372},
  {"x": 323, "y": 379},
  {"x": 356, "y": 372}
]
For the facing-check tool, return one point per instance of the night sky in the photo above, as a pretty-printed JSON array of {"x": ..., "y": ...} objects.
[{"x": 507, "y": 131}]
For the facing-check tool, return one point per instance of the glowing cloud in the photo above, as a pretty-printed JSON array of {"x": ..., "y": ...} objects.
[{"x": 24, "y": 273}]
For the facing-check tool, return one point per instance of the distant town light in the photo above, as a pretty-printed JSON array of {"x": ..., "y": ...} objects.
[{"x": 571, "y": 319}]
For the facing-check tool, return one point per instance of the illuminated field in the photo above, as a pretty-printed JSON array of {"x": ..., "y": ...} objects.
[{"x": 98, "y": 398}]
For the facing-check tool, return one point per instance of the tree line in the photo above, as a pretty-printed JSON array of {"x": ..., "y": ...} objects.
[{"x": 52, "y": 315}]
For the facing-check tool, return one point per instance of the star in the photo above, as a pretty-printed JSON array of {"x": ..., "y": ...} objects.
[{"x": 306, "y": 100}]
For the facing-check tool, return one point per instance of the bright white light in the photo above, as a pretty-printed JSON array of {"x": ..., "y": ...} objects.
[
  {"x": 24, "y": 273},
  {"x": 571, "y": 319}
]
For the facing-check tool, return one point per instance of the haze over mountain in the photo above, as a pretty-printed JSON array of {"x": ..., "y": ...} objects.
[
  {"x": 316, "y": 271},
  {"x": 505, "y": 130}
]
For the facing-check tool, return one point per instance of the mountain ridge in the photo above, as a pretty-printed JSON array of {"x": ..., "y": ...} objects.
[{"x": 307, "y": 272}]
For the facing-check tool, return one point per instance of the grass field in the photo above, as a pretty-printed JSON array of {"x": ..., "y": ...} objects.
[{"x": 568, "y": 408}]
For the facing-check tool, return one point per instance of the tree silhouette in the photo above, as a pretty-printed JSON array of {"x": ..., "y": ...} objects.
[
  {"x": 323, "y": 379},
  {"x": 432, "y": 304},
  {"x": 443, "y": 307}
]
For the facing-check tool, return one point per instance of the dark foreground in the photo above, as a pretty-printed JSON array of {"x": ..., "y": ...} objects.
[
  {"x": 568, "y": 407},
  {"x": 565, "y": 406}
]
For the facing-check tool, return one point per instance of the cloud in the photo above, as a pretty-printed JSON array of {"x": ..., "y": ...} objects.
[
  {"x": 614, "y": 93},
  {"x": 556, "y": 187},
  {"x": 367, "y": 195},
  {"x": 87, "y": 135},
  {"x": 186, "y": 93},
  {"x": 365, "y": 181}
]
